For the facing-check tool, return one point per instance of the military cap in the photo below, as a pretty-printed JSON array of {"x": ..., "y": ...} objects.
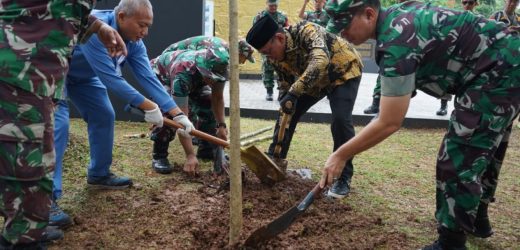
[
  {"x": 341, "y": 13},
  {"x": 261, "y": 32},
  {"x": 272, "y": 2},
  {"x": 213, "y": 63},
  {"x": 246, "y": 50}
]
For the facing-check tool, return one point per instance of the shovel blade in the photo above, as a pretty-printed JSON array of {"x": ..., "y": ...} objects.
[
  {"x": 274, "y": 228},
  {"x": 262, "y": 165}
]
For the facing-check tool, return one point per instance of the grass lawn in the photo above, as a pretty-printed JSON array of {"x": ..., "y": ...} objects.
[{"x": 394, "y": 181}]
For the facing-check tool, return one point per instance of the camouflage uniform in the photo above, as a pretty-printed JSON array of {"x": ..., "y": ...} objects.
[
  {"x": 477, "y": 60},
  {"x": 501, "y": 16},
  {"x": 319, "y": 64},
  {"x": 182, "y": 73},
  {"x": 318, "y": 17},
  {"x": 267, "y": 68},
  {"x": 35, "y": 45}
]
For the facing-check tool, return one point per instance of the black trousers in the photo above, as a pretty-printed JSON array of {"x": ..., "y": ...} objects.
[{"x": 341, "y": 100}]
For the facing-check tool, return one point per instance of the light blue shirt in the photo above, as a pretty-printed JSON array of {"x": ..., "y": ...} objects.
[{"x": 91, "y": 62}]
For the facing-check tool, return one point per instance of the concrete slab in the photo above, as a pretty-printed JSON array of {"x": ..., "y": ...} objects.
[{"x": 421, "y": 113}]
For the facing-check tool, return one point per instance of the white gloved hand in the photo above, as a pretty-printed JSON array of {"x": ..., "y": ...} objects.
[
  {"x": 154, "y": 116},
  {"x": 184, "y": 121}
]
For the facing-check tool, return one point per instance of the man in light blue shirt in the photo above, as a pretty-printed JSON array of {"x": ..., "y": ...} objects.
[{"x": 92, "y": 72}]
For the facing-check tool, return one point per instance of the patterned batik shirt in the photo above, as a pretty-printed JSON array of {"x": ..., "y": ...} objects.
[
  {"x": 315, "y": 61},
  {"x": 439, "y": 50}
]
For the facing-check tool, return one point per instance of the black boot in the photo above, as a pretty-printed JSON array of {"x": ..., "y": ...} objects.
[
  {"x": 206, "y": 150},
  {"x": 482, "y": 226},
  {"x": 444, "y": 108},
  {"x": 448, "y": 240},
  {"x": 374, "y": 108},
  {"x": 269, "y": 96},
  {"x": 160, "y": 163}
]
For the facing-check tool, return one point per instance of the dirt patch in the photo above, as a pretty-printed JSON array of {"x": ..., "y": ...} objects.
[{"x": 193, "y": 213}]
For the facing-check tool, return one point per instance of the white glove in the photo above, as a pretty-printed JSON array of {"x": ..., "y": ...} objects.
[
  {"x": 154, "y": 116},
  {"x": 184, "y": 121}
]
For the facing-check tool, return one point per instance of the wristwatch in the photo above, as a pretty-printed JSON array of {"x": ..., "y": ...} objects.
[{"x": 221, "y": 124}]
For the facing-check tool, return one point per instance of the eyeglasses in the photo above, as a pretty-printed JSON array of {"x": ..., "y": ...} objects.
[{"x": 468, "y": 2}]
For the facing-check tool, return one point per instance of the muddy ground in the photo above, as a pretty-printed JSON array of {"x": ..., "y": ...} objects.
[{"x": 193, "y": 213}]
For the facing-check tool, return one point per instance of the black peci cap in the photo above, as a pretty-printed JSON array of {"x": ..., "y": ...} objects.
[{"x": 263, "y": 30}]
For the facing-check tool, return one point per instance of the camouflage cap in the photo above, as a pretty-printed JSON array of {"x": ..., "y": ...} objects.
[
  {"x": 246, "y": 50},
  {"x": 341, "y": 13},
  {"x": 213, "y": 63},
  {"x": 272, "y": 2}
]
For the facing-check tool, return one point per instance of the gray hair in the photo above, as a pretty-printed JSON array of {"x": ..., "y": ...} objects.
[{"x": 129, "y": 7}]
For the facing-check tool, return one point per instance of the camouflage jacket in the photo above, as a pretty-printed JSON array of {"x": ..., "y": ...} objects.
[
  {"x": 280, "y": 17},
  {"x": 38, "y": 37},
  {"x": 319, "y": 17},
  {"x": 501, "y": 16},
  {"x": 178, "y": 71},
  {"x": 197, "y": 43},
  {"x": 315, "y": 60},
  {"x": 440, "y": 50}
]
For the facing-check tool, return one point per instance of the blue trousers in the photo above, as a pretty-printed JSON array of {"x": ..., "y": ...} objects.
[{"x": 92, "y": 101}]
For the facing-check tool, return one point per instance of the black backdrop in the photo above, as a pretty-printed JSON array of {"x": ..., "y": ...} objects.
[{"x": 174, "y": 20}]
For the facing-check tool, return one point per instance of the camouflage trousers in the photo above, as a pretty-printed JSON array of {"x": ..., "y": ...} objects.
[
  {"x": 267, "y": 73},
  {"x": 472, "y": 151},
  {"x": 26, "y": 163},
  {"x": 201, "y": 115},
  {"x": 377, "y": 89}
]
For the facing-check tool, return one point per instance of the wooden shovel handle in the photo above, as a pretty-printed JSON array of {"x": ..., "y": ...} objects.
[
  {"x": 197, "y": 133},
  {"x": 281, "y": 134}
]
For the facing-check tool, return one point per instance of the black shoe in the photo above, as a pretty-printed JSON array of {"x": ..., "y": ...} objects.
[
  {"x": 373, "y": 108},
  {"x": 442, "y": 112},
  {"x": 30, "y": 246},
  {"x": 482, "y": 225},
  {"x": 111, "y": 181},
  {"x": 269, "y": 96},
  {"x": 206, "y": 151},
  {"x": 448, "y": 240},
  {"x": 52, "y": 234},
  {"x": 58, "y": 218},
  {"x": 161, "y": 166},
  {"x": 339, "y": 189}
]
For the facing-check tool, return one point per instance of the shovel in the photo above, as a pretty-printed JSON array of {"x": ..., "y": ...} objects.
[
  {"x": 282, "y": 163},
  {"x": 266, "y": 170},
  {"x": 281, "y": 223}
]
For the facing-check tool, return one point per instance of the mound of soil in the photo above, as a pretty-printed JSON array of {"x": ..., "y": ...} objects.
[{"x": 193, "y": 213}]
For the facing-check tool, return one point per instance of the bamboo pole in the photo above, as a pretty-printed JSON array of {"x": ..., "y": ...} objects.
[
  {"x": 235, "y": 194},
  {"x": 260, "y": 131},
  {"x": 255, "y": 140}
]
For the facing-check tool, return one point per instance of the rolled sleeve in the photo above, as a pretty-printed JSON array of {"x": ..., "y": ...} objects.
[{"x": 398, "y": 85}]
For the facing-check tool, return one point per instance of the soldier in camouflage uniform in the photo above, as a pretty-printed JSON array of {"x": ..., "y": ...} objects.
[
  {"x": 36, "y": 42},
  {"x": 508, "y": 15},
  {"x": 448, "y": 52},
  {"x": 267, "y": 68},
  {"x": 318, "y": 16},
  {"x": 204, "y": 101},
  {"x": 312, "y": 64}
]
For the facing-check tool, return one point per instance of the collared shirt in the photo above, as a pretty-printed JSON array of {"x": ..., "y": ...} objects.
[
  {"x": 38, "y": 37},
  {"x": 445, "y": 52},
  {"x": 501, "y": 16},
  {"x": 315, "y": 60},
  {"x": 280, "y": 17},
  {"x": 318, "y": 17},
  {"x": 91, "y": 61}
]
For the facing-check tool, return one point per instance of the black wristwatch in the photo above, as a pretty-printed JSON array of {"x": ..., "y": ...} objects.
[{"x": 221, "y": 124}]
